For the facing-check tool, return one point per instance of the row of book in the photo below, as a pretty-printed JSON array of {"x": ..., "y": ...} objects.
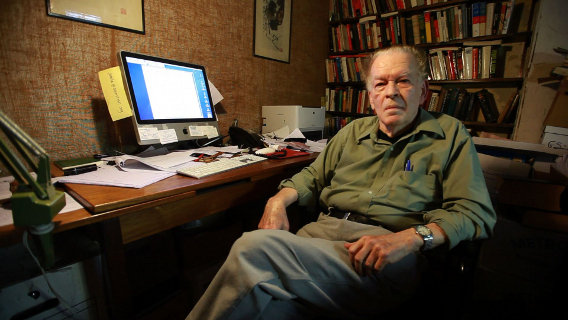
[
  {"x": 394, "y": 5},
  {"x": 334, "y": 124},
  {"x": 364, "y": 35},
  {"x": 345, "y": 68},
  {"x": 457, "y": 22},
  {"x": 345, "y": 9},
  {"x": 348, "y": 99},
  {"x": 476, "y": 60},
  {"x": 463, "y": 105}
]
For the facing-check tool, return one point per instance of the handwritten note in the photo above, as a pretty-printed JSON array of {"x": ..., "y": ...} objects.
[{"x": 115, "y": 95}]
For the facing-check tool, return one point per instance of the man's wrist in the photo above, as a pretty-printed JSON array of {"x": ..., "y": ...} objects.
[{"x": 426, "y": 235}]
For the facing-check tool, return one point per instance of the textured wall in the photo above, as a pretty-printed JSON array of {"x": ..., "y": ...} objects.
[{"x": 48, "y": 66}]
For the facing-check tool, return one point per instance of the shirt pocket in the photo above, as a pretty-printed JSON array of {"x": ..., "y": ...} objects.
[{"x": 412, "y": 191}]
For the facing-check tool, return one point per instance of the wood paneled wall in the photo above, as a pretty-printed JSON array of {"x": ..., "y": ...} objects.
[{"x": 49, "y": 66}]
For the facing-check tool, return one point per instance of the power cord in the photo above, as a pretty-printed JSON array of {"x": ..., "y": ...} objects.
[{"x": 58, "y": 296}]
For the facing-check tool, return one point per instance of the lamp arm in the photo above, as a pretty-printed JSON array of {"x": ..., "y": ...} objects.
[{"x": 25, "y": 144}]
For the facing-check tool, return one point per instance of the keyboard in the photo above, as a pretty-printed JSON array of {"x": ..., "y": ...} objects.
[{"x": 221, "y": 165}]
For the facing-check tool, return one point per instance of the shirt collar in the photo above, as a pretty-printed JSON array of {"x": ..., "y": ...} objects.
[{"x": 425, "y": 122}]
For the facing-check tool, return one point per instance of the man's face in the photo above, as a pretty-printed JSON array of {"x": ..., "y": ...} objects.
[{"x": 396, "y": 91}]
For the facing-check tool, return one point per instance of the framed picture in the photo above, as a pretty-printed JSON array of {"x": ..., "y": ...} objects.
[
  {"x": 272, "y": 29},
  {"x": 125, "y": 15}
]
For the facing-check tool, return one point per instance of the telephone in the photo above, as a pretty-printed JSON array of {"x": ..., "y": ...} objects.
[{"x": 244, "y": 139}]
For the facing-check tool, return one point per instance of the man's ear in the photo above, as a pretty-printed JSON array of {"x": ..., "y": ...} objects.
[{"x": 424, "y": 92}]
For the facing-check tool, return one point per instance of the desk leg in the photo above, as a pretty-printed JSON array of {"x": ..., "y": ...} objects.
[{"x": 114, "y": 261}]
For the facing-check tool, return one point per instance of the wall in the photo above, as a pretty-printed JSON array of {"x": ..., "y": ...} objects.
[
  {"x": 551, "y": 31},
  {"x": 48, "y": 66}
]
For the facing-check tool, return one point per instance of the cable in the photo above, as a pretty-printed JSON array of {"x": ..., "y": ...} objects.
[{"x": 25, "y": 241}]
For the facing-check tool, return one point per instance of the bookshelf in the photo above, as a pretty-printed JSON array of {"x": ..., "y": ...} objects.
[{"x": 500, "y": 84}]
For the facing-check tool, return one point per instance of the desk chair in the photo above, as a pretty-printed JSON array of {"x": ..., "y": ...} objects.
[{"x": 449, "y": 278}]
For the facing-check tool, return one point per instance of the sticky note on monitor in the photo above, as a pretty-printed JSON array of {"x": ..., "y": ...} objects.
[{"x": 115, "y": 95}]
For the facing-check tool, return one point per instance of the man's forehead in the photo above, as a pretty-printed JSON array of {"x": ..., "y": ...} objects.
[{"x": 398, "y": 67}]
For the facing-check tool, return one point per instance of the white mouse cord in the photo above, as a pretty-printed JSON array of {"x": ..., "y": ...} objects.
[{"x": 65, "y": 304}]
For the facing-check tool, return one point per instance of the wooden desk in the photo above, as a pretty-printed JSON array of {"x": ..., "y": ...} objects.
[{"x": 126, "y": 215}]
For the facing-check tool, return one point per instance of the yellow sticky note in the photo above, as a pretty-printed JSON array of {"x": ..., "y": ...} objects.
[{"x": 115, "y": 96}]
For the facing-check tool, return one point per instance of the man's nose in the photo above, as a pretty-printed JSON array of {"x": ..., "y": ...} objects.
[{"x": 391, "y": 90}]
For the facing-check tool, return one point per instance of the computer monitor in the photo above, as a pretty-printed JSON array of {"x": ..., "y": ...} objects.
[{"x": 170, "y": 99}]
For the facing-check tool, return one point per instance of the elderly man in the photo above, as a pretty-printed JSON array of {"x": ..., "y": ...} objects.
[{"x": 395, "y": 185}]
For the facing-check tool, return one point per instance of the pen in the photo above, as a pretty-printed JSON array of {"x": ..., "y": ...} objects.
[{"x": 408, "y": 166}]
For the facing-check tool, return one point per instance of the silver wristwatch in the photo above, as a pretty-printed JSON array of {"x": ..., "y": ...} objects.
[{"x": 426, "y": 235}]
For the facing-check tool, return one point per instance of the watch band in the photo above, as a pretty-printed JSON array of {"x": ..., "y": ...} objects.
[{"x": 426, "y": 235}]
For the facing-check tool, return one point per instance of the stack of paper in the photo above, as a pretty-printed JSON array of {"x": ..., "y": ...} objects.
[{"x": 113, "y": 176}]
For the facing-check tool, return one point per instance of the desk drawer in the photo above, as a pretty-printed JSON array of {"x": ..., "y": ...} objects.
[{"x": 162, "y": 217}]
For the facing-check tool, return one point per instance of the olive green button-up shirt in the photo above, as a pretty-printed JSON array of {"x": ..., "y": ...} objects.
[{"x": 359, "y": 172}]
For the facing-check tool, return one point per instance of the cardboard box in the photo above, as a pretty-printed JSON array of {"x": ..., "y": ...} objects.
[
  {"x": 555, "y": 138},
  {"x": 545, "y": 220},
  {"x": 534, "y": 255},
  {"x": 504, "y": 167},
  {"x": 531, "y": 194}
]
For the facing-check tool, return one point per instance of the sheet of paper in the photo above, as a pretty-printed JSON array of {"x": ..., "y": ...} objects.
[
  {"x": 115, "y": 95},
  {"x": 112, "y": 176},
  {"x": 167, "y": 136},
  {"x": 211, "y": 132},
  {"x": 215, "y": 94},
  {"x": 148, "y": 133},
  {"x": 315, "y": 146},
  {"x": 196, "y": 131},
  {"x": 295, "y": 134}
]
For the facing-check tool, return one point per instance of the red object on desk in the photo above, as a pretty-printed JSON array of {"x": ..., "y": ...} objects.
[{"x": 290, "y": 153}]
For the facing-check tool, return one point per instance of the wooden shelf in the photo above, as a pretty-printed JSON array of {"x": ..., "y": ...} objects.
[
  {"x": 501, "y": 82},
  {"x": 344, "y": 84},
  {"x": 349, "y": 114},
  {"x": 488, "y": 125}
]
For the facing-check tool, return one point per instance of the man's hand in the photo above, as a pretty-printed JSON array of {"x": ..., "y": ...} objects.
[
  {"x": 274, "y": 216},
  {"x": 370, "y": 254}
]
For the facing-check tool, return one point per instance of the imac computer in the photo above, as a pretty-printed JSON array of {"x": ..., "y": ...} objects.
[{"x": 170, "y": 99}]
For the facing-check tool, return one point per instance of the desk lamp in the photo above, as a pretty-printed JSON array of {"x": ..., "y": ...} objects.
[{"x": 35, "y": 202}]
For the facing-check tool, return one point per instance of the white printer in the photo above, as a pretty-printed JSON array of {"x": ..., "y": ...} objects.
[{"x": 310, "y": 120}]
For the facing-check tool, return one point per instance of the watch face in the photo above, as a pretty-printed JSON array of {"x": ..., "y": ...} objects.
[{"x": 424, "y": 231}]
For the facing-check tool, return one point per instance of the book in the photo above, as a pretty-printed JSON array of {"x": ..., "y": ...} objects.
[
  {"x": 502, "y": 17},
  {"x": 469, "y": 114},
  {"x": 467, "y": 62},
  {"x": 463, "y": 115},
  {"x": 508, "y": 13},
  {"x": 422, "y": 26},
  {"x": 507, "y": 106},
  {"x": 409, "y": 31},
  {"x": 490, "y": 12},
  {"x": 487, "y": 106},
  {"x": 475, "y": 7},
  {"x": 416, "y": 29},
  {"x": 439, "y": 100},
  {"x": 428, "y": 27},
  {"x": 475, "y": 63},
  {"x": 486, "y": 62},
  {"x": 450, "y": 107},
  {"x": 77, "y": 163},
  {"x": 482, "y": 18},
  {"x": 459, "y": 105},
  {"x": 493, "y": 68},
  {"x": 510, "y": 116}
]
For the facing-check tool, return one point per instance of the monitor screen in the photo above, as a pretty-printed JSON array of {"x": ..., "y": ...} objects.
[{"x": 167, "y": 95}]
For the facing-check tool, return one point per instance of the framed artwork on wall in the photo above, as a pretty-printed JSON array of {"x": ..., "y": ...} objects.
[
  {"x": 272, "y": 29},
  {"x": 127, "y": 15}
]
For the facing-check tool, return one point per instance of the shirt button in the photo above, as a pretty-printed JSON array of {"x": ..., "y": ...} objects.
[{"x": 370, "y": 192}]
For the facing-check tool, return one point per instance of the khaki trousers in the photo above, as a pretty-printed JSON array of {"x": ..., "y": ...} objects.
[{"x": 274, "y": 274}]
